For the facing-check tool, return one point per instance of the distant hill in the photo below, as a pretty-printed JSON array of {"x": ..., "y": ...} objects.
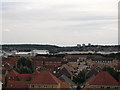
[
  {"x": 54, "y": 48},
  {"x": 28, "y": 47}
]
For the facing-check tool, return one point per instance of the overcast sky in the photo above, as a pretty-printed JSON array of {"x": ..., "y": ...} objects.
[{"x": 60, "y": 22}]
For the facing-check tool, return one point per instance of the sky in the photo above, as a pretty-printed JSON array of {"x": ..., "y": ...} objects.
[{"x": 59, "y": 22}]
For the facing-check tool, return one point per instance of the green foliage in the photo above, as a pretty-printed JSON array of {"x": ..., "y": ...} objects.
[
  {"x": 113, "y": 55},
  {"x": 112, "y": 72},
  {"x": 24, "y": 66},
  {"x": 80, "y": 78},
  {"x": 58, "y": 56},
  {"x": 41, "y": 69}
]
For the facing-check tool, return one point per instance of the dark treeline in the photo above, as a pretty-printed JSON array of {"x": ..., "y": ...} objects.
[{"x": 54, "y": 48}]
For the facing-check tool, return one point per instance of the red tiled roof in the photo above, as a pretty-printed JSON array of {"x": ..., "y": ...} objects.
[
  {"x": 45, "y": 77},
  {"x": 17, "y": 84},
  {"x": 36, "y": 72},
  {"x": 24, "y": 76},
  {"x": 11, "y": 60},
  {"x": 103, "y": 78},
  {"x": 13, "y": 73}
]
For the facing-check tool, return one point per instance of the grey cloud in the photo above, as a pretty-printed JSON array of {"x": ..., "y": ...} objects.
[{"x": 56, "y": 24}]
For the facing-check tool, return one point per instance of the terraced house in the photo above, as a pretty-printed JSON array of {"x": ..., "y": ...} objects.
[{"x": 43, "y": 79}]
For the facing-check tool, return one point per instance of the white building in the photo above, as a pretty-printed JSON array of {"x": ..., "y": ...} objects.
[
  {"x": 5, "y": 54},
  {"x": 42, "y": 52},
  {"x": 77, "y": 52},
  {"x": 0, "y": 85},
  {"x": 23, "y": 54},
  {"x": 32, "y": 53}
]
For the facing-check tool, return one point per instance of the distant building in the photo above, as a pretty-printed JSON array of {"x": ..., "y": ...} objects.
[
  {"x": 32, "y": 53},
  {"x": 0, "y": 85},
  {"x": 89, "y": 44},
  {"x": 78, "y": 45},
  {"x": 110, "y": 62},
  {"x": 42, "y": 52},
  {"x": 1, "y": 53},
  {"x": 5, "y": 54},
  {"x": 83, "y": 45},
  {"x": 23, "y": 54}
]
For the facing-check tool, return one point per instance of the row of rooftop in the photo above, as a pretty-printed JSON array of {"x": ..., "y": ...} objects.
[{"x": 64, "y": 69}]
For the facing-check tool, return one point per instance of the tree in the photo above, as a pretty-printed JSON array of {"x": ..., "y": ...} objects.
[
  {"x": 24, "y": 65},
  {"x": 80, "y": 78},
  {"x": 41, "y": 68}
]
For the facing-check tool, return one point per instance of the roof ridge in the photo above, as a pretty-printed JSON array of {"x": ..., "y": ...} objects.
[
  {"x": 103, "y": 78},
  {"x": 54, "y": 78}
]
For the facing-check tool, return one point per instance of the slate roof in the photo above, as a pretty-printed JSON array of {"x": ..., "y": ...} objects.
[
  {"x": 66, "y": 79},
  {"x": 65, "y": 72},
  {"x": 91, "y": 73}
]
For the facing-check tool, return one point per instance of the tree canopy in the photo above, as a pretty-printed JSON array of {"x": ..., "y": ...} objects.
[
  {"x": 24, "y": 65},
  {"x": 80, "y": 78}
]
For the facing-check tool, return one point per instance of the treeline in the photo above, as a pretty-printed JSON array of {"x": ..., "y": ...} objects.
[
  {"x": 57, "y": 55},
  {"x": 54, "y": 48},
  {"x": 113, "y": 55}
]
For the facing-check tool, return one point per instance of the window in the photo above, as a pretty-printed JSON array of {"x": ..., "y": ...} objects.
[
  {"x": 32, "y": 86},
  {"x": 45, "y": 86},
  {"x": 39, "y": 86},
  {"x": 102, "y": 87}
]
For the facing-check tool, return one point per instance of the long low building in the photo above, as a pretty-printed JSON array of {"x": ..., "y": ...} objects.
[
  {"x": 32, "y": 53},
  {"x": 43, "y": 52},
  {"x": 86, "y": 52}
]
